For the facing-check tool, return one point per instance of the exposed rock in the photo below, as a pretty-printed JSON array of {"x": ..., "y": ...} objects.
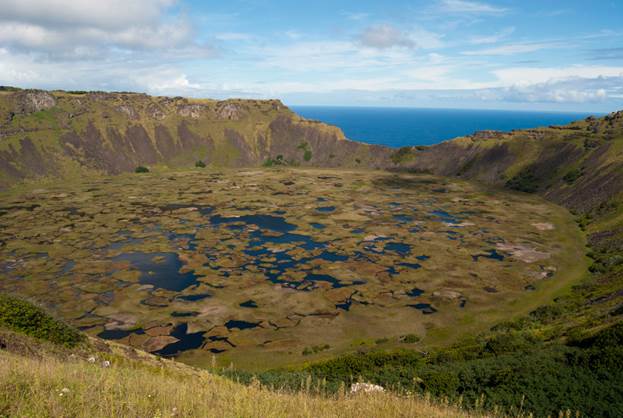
[
  {"x": 35, "y": 101},
  {"x": 128, "y": 110},
  {"x": 228, "y": 111},
  {"x": 193, "y": 111}
]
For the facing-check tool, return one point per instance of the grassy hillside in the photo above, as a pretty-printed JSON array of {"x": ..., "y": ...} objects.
[
  {"x": 40, "y": 378},
  {"x": 579, "y": 165},
  {"x": 65, "y": 134}
]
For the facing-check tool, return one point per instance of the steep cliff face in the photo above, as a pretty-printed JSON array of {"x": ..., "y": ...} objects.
[
  {"x": 57, "y": 133},
  {"x": 579, "y": 165}
]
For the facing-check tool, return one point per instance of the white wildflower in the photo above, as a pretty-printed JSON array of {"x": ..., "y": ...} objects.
[{"x": 366, "y": 388}]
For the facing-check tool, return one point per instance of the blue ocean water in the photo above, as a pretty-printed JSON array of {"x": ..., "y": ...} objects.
[{"x": 397, "y": 127}]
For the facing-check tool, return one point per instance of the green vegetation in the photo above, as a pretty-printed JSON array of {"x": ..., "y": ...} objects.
[
  {"x": 572, "y": 176},
  {"x": 118, "y": 214},
  {"x": 21, "y": 316},
  {"x": 200, "y": 164},
  {"x": 410, "y": 339},
  {"x": 141, "y": 169},
  {"x": 315, "y": 349},
  {"x": 279, "y": 161},
  {"x": 307, "y": 153},
  {"x": 564, "y": 354},
  {"x": 402, "y": 155},
  {"x": 140, "y": 386},
  {"x": 512, "y": 371},
  {"x": 525, "y": 181}
]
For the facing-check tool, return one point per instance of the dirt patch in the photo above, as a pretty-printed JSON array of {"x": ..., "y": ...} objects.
[{"x": 523, "y": 252}]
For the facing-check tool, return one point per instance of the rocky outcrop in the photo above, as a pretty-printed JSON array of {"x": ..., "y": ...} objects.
[{"x": 34, "y": 101}]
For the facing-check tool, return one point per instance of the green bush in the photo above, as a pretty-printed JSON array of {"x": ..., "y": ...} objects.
[
  {"x": 24, "y": 317},
  {"x": 572, "y": 176},
  {"x": 410, "y": 339},
  {"x": 525, "y": 181},
  {"x": 507, "y": 371},
  {"x": 307, "y": 155},
  {"x": 200, "y": 164},
  {"x": 277, "y": 161},
  {"x": 141, "y": 169},
  {"x": 315, "y": 349},
  {"x": 401, "y": 155}
]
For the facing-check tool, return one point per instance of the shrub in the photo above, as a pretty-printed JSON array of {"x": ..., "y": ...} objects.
[
  {"x": 141, "y": 169},
  {"x": 24, "y": 317},
  {"x": 525, "y": 181},
  {"x": 410, "y": 339},
  {"x": 200, "y": 164},
  {"x": 315, "y": 349},
  {"x": 403, "y": 154},
  {"x": 278, "y": 160},
  {"x": 307, "y": 155},
  {"x": 572, "y": 176}
]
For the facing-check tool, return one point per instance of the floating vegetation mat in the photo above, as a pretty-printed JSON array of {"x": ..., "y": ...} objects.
[{"x": 254, "y": 266}]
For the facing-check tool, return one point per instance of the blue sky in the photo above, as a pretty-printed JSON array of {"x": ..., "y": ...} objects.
[{"x": 554, "y": 55}]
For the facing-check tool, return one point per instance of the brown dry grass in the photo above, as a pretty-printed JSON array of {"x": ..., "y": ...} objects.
[{"x": 49, "y": 387}]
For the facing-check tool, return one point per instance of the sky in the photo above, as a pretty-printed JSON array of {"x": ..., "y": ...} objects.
[{"x": 525, "y": 55}]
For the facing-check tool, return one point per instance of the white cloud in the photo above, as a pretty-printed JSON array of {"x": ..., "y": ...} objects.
[
  {"x": 355, "y": 15},
  {"x": 535, "y": 75},
  {"x": 167, "y": 82},
  {"x": 512, "y": 49},
  {"x": 60, "y": 29},
  {"x": 385, "y": 36},
  {"x": 233, "y": 36},
  {"x": 109, "y": 14},
  {"x": 492, "y": 39},
  {"x": 463, "y": 6}
]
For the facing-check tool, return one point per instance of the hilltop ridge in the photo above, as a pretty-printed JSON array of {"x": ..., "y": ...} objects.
[
  {"x": 579, "y": 165},
  {"x": 58, "y": 133}
]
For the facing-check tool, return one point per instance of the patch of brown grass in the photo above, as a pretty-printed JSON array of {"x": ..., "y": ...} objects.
[{"x": 49, "y": 387}]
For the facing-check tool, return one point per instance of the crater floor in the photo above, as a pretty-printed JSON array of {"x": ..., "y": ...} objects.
[{"x": 269, "y": 267}]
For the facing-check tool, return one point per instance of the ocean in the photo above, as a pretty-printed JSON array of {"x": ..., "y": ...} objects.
[{"x": 398, "y": 127}]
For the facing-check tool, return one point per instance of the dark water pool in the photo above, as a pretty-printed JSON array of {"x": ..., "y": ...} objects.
[
  {"x": 194, "y": 298},
  {"x": 161, "y": 270},
  {"x": 249, "y": 304},
  {"x": 492, "y": 254},
  {"x": 241, "y": 325},
  {"x": 270, "y": 222},
  {"x": 425, "y": 308},
  {"x": 186, "y": 341}
]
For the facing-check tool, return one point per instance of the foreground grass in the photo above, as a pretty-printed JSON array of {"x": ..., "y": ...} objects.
[{"x": 49, "y": 387}]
